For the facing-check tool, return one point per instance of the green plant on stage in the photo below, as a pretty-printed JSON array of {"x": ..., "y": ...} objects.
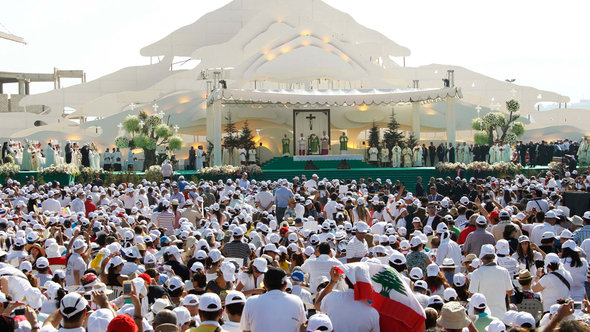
[
  {"x": 411, "y": 141},
  {"x": 374, "y": 136},
  {"x": 246, "y": 138},
  {"x": 148, "y": 132},
  {"x": 392, "y": 136},
  {"x": 495, "y": 126},
  {"x": 154, "y": 174}
]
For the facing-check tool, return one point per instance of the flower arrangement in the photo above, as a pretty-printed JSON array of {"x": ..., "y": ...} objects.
[
  {"x": 89, "y": 173},
  {"x": 154, "y": 173},
  {"x": 9, "y": 169},
  {"x": 558, "y": 167},
  {"x": 219, "y": 170},
  {"x": 252, "y": 169},
  {"x": 229, "y": 170},
  {"x": 70, "y": 169},
  {"x": 502, "y": 167}
]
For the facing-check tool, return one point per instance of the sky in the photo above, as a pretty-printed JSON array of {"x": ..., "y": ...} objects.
[{"x": 539, "y": 43}]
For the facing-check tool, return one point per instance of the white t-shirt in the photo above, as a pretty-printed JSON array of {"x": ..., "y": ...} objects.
[
  {"x": 303, "y": 293},
  {"x": 247, "y": 280},
  {"x": 273, "y": 311},
  {"x": 75, "y": 263},
  {"x": 349, "y": 315},
  {"x": 553, "y": 288},
  {"x": 231, "y": 327},
  {"x": 317, "y": 268},
  {"x": 264, "y": 198},
  {"x": 493, "y": 282},
  {"x": 356, "y": 248},
  {"x": 578, "y": 275}
]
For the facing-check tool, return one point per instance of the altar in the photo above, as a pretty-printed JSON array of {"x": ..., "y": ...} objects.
[
  {"x": 309, "y": 124},
  {"x": 329, "y": 157}
]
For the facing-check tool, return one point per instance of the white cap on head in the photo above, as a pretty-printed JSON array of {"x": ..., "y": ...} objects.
[
  {"x": 235, "y": 297},
  {"x": 487, "y": 249},
  {"x": 99, "y": 320},
  {"x": 432, "y": 270},
  {"x": 210, "y": 302},
  {"x": 319, "y": 322},
  {"x": 71, "y": 304}
]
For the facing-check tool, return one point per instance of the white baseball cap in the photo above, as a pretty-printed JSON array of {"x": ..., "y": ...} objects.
[
  {"x": 487, "y": 249},
  {"x": 99, "y": 320},
  {"x": 496, "y": 326},
  {"x": 450, "y": 294},
  {"x": 183, "y": 316},
  {"x": 190, "y": 300},
  {"x": 229, "y": 271},
  {"x": 416, "y": 273},
  {"x": 503, "y": 247},
  {"x": 174, "y": 283},
  {"x": 319, "y": 322},
  {"x": 478, "y": 301},
  {"x": 235, "y": 297},
  {"x": 524, "y": 318},
  {"x": 71, "y": 304},
  {"x": 42, "y": 263},
  {"x": 432, "y": 270},
  {"x": 260, "y": 264},
  {"x": 210, "y": 302},
  {"x": 362, "y": 227}
]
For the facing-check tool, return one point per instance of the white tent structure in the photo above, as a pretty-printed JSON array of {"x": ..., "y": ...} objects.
[{"x": 276, "y": 56}]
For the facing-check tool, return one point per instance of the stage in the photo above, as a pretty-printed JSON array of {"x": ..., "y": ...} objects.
[
  {"x": 287, "y": 168},
  {"x": 328, "y": 157}
]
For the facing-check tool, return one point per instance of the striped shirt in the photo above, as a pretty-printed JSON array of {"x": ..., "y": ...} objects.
[
  {"x": 237, "y": 249},
  {"x": 166, "y": 221},
  {"x": 582, "y": 234}
]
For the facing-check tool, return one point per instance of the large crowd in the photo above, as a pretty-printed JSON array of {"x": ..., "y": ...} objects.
[{"x": 473, "y": 254}]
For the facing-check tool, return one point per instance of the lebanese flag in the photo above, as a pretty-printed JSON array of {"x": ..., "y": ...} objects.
[{"x": 386, "y": 291}]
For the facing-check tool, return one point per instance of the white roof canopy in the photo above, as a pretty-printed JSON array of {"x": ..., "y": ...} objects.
[{"x": 338, "y": 97}]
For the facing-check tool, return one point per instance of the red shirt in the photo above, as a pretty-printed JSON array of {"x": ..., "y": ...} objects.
[{"x": 90, "y": 207}]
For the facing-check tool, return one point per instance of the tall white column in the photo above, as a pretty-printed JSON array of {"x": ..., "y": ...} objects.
[
  {"x": 451, "y": 121},
  {"x": 217, "y": 109},
  {"x": 416, "y": 119}
]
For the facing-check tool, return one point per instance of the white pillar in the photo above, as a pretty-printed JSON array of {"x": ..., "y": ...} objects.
[
  {"x": 416, "y": 119},
  {"x": 451, "y": 125},
  {"x": 213, "y": 123},
  {"x": 217, "y": 109}
]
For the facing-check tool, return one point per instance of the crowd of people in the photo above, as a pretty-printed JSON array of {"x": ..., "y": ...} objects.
[
  {"x": 526, "y": 154},
  {"x": 31, "y": 156},
  {"x": 479, "y": 254}
]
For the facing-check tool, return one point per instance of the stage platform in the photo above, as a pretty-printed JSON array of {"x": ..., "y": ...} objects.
[
  {"x": 286, "y": 170},
  {"x": 317, "y": 158}
]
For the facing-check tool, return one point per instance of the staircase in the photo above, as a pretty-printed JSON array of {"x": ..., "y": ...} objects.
[{"x": 287, "y": 163}]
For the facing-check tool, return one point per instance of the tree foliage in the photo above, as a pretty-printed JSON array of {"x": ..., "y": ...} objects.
[
  {"x": 374, "y": 136},
  {"x": 231, "y": 139},
  {"x": 411, "y": 141},
  {"x": 246, "y": 138},
  {"x": 392, "y": 136},
  {"x": 498, "y": 126},
  {"x": 147, "y": 132}
]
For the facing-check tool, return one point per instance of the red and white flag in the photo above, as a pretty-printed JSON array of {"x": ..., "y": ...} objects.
[{"x": 386, "y": 291}]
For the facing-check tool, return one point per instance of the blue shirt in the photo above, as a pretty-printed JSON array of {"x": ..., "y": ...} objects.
[
  {"x": 582, "y": 234},
  {"x": 282, "y": 196},
  {"x": 181, "y": 185},
  {"x": 179, "y": 197}
]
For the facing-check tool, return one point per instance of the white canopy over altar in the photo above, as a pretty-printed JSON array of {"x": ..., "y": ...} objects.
[{"x": 240, "y": 100}]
